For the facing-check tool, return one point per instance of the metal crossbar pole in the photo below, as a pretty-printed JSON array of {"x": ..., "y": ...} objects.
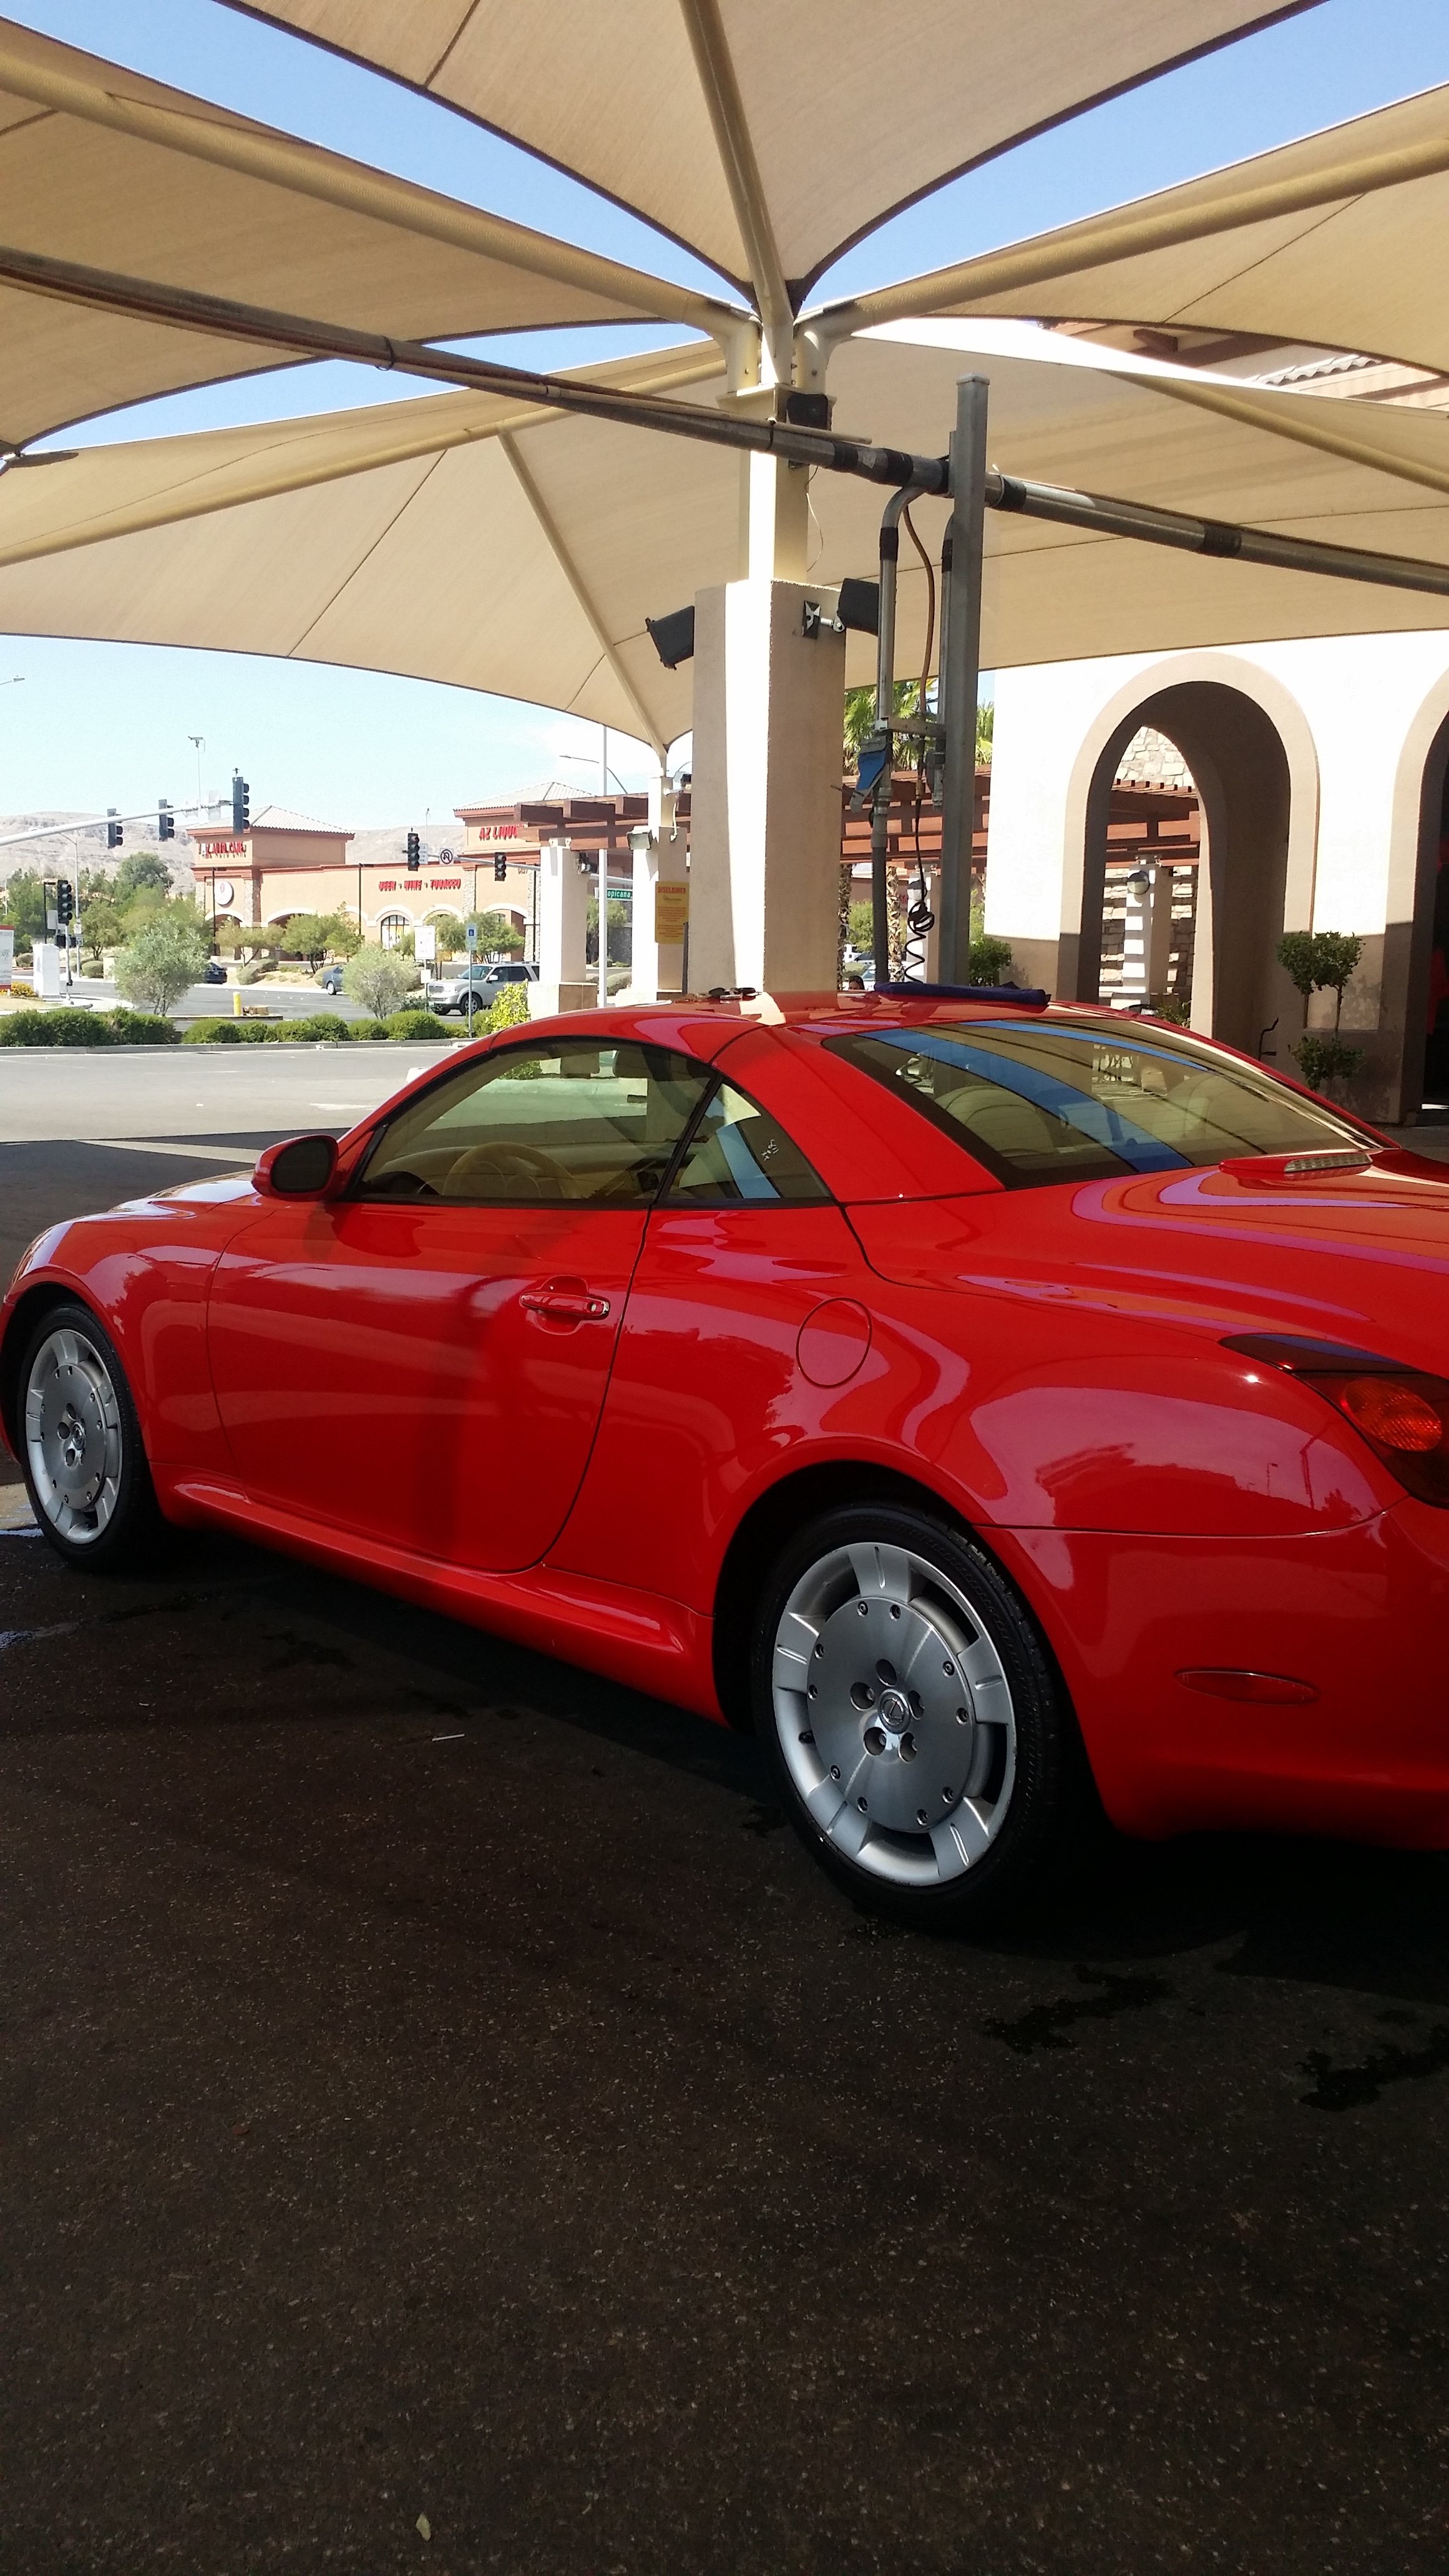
[
  {"x": 218, "y": 317},
  {"x": 959, "y": 673}
]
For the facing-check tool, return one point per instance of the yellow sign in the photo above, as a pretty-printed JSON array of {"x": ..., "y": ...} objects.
[{"x": 671, "y": 913}]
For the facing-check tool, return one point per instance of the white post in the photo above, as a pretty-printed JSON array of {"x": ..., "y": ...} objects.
[
  {"x": 563, "y": 983},
  {"x": 1146, "y": 935},
  {"x": 769, "y": 690},
  {"x": 45, "y": 970}
]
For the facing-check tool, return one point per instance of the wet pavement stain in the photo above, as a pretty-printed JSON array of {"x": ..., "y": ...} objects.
[
  {"x": 1343, "y": 2088},
  {"x": 1044, "y": 2024}
]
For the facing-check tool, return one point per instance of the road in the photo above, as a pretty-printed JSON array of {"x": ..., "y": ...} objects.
[
  {"x": 439, "y": 2091},
  {"x": 197, "y": 1094}
]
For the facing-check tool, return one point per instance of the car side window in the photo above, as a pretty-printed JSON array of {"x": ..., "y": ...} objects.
[
  {"x": 549, "y": 1120},
  {"x": 738, "y": 1156}
]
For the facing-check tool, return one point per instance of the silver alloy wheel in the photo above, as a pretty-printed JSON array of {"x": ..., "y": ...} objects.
[
  {"x": 73, "y": 1436},
  {"x": 894, "y": 1714}
]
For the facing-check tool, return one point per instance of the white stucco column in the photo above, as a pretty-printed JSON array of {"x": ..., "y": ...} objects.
[
  {"x": 660, "y": 860},
  {"x": 766, "y": 810},
  {"x": 564, "y": 982}
]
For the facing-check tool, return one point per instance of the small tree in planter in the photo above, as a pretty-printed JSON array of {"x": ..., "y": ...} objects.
[{"x": 1319, "y": 961}]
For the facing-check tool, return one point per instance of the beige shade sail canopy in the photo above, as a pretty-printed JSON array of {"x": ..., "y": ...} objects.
[
  {"x": 105, "y": 168},
  {"x": 1335, "y": 241},
  {"x": 768, "y": 138},
  {"x": 454, "y": 538}
]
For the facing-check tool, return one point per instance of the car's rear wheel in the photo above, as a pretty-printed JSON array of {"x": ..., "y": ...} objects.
[
  {"x": 918, "y": 1733},
  {"x": 80, "y": 1444}
]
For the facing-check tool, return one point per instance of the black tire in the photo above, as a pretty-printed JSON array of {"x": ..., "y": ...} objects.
[
  {"x": 968, "y": 1752},
  {"x": 72, "y": 1362}
]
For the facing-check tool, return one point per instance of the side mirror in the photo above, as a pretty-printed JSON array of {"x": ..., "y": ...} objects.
[{"x": 302, "y": 1168}]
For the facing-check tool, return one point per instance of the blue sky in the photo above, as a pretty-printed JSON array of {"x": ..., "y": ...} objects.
[{"x": 95, "y": 725}]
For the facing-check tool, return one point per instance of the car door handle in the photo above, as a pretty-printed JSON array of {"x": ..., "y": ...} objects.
[{"x": 565, "y": 1305}]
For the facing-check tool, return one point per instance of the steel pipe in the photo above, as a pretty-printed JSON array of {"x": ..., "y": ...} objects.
[{"x": 1105, "y": 516}]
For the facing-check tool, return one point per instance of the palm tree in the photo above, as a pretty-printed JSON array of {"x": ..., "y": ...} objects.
[{"x": 860, "y": 718}]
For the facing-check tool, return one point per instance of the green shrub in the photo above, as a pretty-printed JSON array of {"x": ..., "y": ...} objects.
[
  {"x": 55, "y": 1028},
  {"x": 323, "y": 1028},
  {"x": 507, "y": 1011},
  {"x": 990, "y": 959},
  {"x": 231, "y": 1032},
  {"x": 413, "y": 1025},
  {"x": 1323, "y": 1057},
  {"x": 1173, "y": 1007},
  {"x": 369, "y": 1029},
  {"x": 142, "y": 1028},
  {"x": 379, "y": 979}
]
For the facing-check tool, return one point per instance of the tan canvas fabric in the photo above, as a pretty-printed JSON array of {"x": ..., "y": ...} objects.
[
  {"x": 850, "y": 108},
  {"x": 1334, "y": 240},
  {"x": 101, "y": 167},
  {"x": 408, "y": 539}
]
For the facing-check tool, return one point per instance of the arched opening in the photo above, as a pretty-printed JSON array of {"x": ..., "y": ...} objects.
[
  {"x": 1209, "y": 940},
  {"x": 1149, "y": 896},
  {"x": 393, "y": 926}
]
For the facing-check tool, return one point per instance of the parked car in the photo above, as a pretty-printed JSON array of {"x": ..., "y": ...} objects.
[
  {"x": 486, "y": 976},
  {"x": 215, "y": 972},
  {"x": 330, "y": 979},
  {"x": 997, "y": 1407}
]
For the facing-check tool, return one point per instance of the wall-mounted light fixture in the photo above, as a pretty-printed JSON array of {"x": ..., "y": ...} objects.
[{"x": 672, "y": 637}]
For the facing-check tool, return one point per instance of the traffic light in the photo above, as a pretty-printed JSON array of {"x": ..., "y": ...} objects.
[
  {"x": 241, "y": 803},
  {"x": 65, "y": 903},
  {"x": 115, "y": 832},
  {"x": 415, "y": 851},
  {"x": 500, "y": 868},
  {"x": 165, "y": 822}
]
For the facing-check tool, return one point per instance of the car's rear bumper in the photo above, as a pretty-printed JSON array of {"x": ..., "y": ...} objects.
[{"x": 1361, "y": 1615}]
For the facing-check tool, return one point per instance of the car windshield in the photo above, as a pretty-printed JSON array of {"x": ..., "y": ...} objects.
[{"x": 1061, "y": 1099}]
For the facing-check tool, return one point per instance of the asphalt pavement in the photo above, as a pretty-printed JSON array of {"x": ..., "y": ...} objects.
[{"x": 451, "y": 2126}]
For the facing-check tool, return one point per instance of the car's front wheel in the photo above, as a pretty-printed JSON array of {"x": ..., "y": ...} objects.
[
  {"x": 918, "y": 1733},
  {"x": 80, "y": 1444}
]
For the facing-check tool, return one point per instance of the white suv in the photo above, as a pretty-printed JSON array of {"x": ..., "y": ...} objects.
[{"x": 487, "y": 977}]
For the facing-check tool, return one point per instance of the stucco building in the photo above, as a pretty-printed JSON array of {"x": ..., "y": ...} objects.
[{"x": 1320, "y": 769}]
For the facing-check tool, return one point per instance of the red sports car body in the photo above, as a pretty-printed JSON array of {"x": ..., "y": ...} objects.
[{"x": 579, "y": 1334}]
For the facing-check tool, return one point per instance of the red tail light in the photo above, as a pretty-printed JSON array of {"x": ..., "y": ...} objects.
[{"x": 1404, "y": 1417}]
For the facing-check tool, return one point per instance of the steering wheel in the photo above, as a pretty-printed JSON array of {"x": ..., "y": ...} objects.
[
  {"x": 402, "y": 1185},
  {"x": 640, "y": 1181},
  {"x": 505, "y": 1165}
]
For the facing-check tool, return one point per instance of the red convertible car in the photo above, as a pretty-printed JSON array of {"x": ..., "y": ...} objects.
[{"x": 989, "y": 1403}]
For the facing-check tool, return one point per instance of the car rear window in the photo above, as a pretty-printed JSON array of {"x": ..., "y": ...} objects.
[{"x": 1062, "y": 1099}]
